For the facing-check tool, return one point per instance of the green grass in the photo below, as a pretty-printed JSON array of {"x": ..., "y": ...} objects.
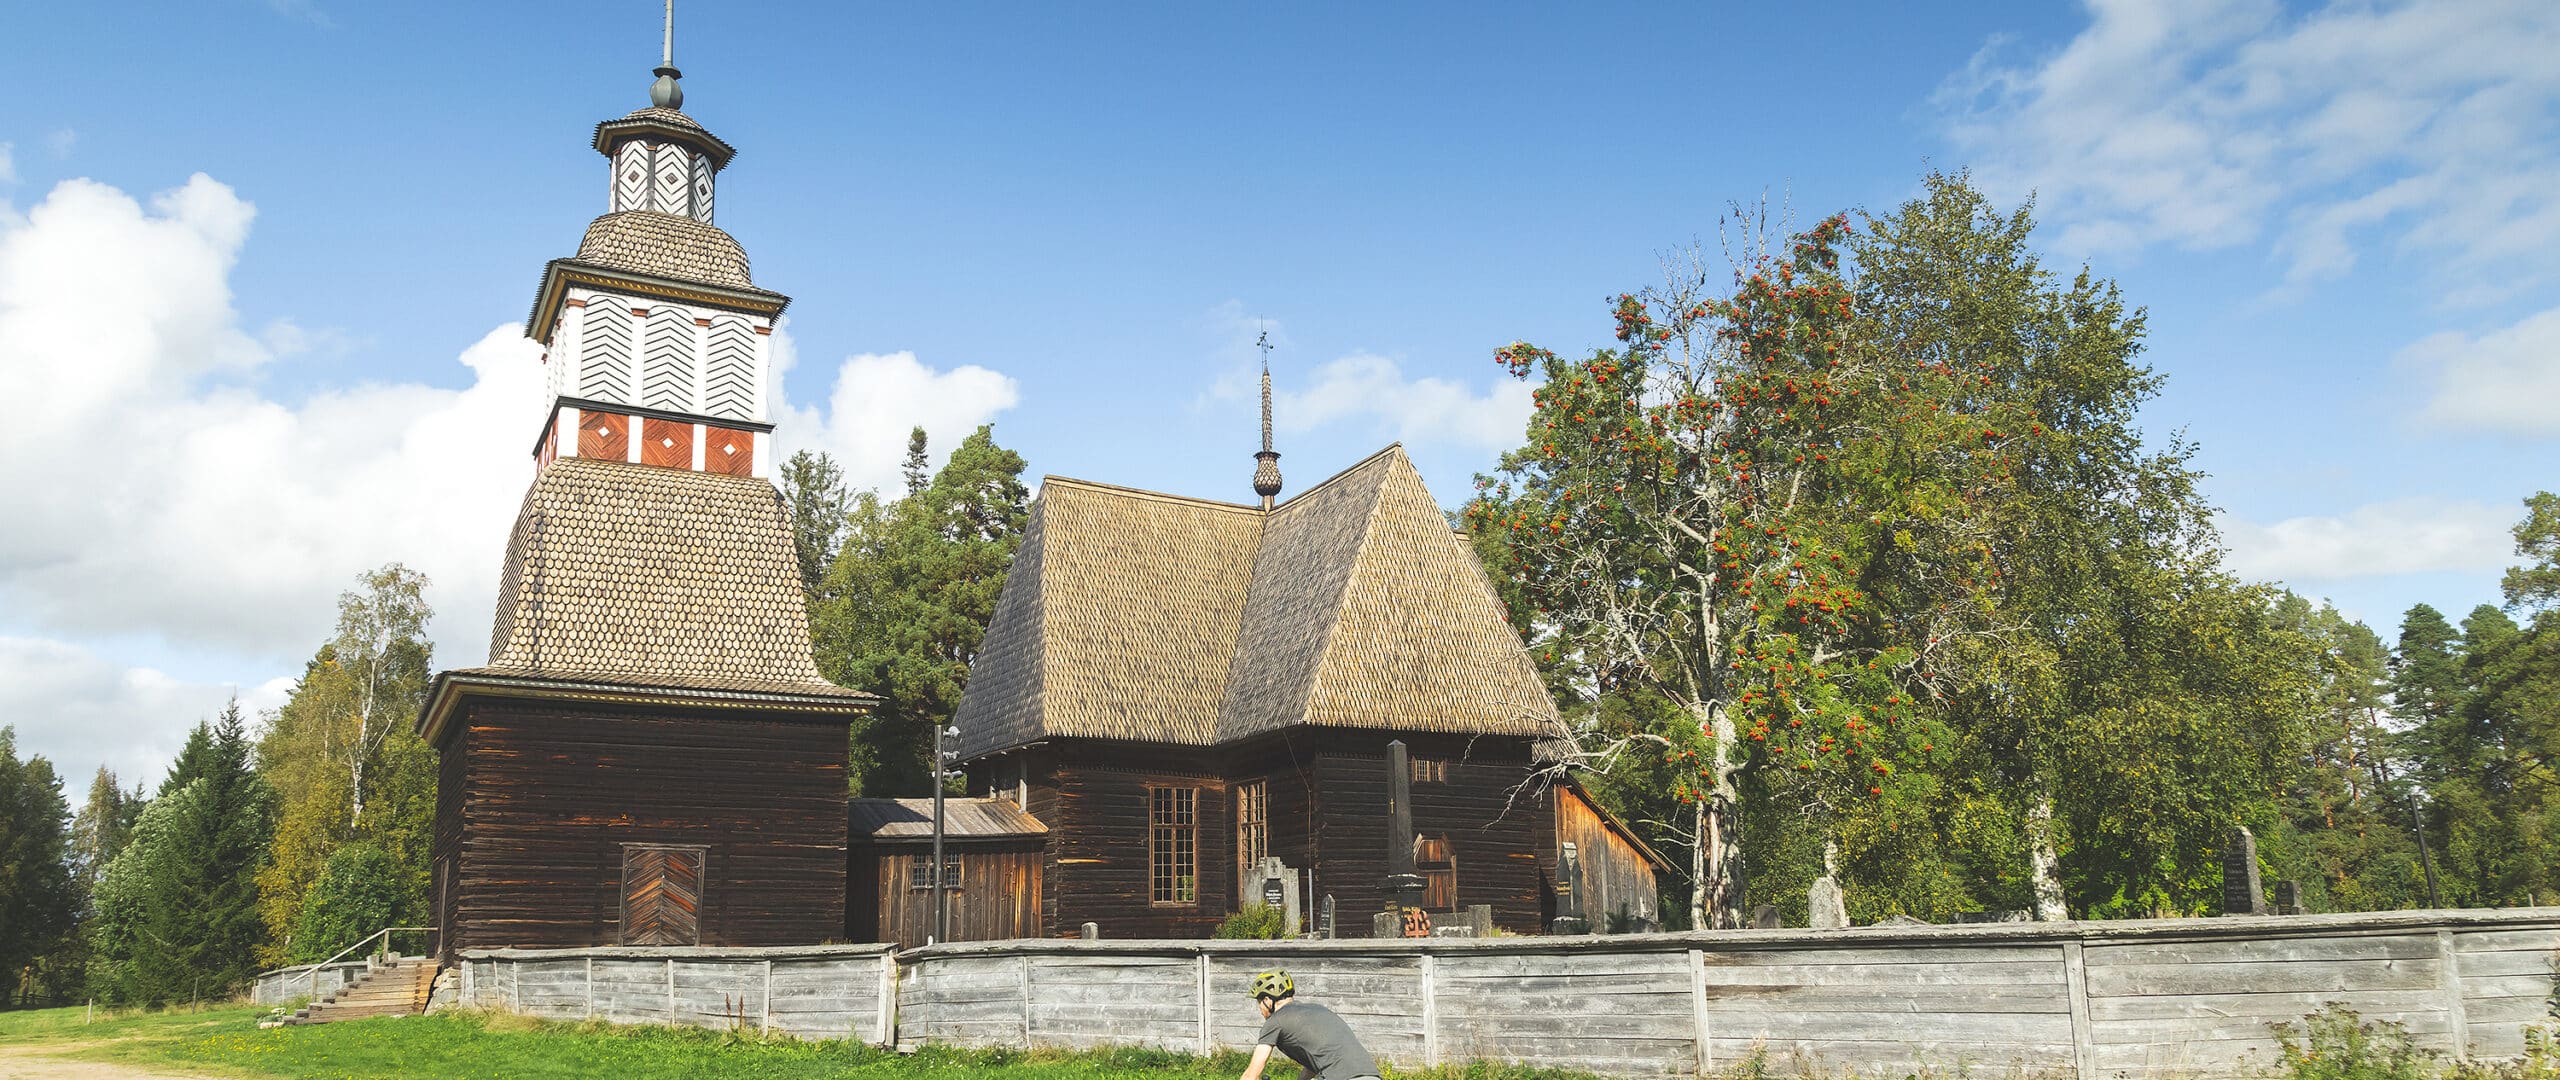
[{"x": 455, "y": 1046}]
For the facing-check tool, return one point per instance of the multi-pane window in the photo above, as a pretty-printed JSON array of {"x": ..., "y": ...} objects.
[
  {"x": 1438, "y": 864},
  {"x": 920, "y": 872},
  {"x": 1253, "y": 829},
  {"x": 1173, "y": 845},
  {"x": 1430, "y": 771}
]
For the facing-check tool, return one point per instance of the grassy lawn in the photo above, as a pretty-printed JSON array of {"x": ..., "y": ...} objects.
[{"x": 482, "y": 1047}]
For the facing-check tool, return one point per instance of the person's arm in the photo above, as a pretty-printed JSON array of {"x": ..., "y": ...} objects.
[{"x": 1261, "y": 1057}]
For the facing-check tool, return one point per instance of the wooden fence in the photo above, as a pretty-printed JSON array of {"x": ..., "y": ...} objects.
[
  {"x": 309, "y": 980},
  {"x": 2094, "y": 999}
]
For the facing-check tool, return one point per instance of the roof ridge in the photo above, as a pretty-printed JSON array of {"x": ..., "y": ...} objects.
[{"x": 1221, "y": 504}]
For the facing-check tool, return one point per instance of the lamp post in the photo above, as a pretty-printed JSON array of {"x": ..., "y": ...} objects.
[{"x": 941, "y": 874}]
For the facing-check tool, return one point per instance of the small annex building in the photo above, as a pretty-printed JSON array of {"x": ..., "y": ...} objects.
[
  {"x": 991, "y": 870},
  {"x": 1178, "y": 688},
  {"x": 650, "y": 756}
]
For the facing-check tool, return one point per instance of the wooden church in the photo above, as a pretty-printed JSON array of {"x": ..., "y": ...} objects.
[
  {"x": 1173, "y": 690},
  {"x": 650, "y": 756},
  {"x": 1179, "y": 688}
]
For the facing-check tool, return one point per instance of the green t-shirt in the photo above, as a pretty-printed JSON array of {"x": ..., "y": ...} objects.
[{"x": 1318, "y": 1041}]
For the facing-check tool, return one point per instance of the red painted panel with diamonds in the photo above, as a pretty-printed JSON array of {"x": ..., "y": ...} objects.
[
  {"x": 726, "y": 451},
  {"x": 666, "y": 442},
  {"x": 604, "y": 435}
]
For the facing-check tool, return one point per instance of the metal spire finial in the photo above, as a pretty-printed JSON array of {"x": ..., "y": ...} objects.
[
  {"x": 664, "y": 93},
  {"x": 1266, "y": 470}
]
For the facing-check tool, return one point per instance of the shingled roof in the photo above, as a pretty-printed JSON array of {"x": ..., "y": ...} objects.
[
  {"x": 642, "y": 576},
  {"x": 665, "y": 245},
  {"x": 1135, "y": 615}
]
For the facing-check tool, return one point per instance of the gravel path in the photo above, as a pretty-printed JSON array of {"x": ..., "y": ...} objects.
[{"x": 40, "y": 1063}]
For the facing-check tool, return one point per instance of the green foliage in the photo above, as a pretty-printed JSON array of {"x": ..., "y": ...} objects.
[
  {"x": 37, "y": 895},
  {"x": 359, "y": 892},
  {"x": 2336, "y": 1044},
  {"x": 908, "y": 598},
  {"x": 1254, "y": 921},
  {"x": 813, "y": 486},
  {"x": 176, "y": 914},
  {"x": 344, "y": 764}
]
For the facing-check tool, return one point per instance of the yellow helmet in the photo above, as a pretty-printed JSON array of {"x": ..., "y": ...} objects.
[{"x": 1273, "y": 984}]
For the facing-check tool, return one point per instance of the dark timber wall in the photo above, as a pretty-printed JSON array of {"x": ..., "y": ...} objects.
[
  {"x": 999, "y": 895},
  {"x": 1326, "y": 812},
  {"x": 537, "y": 800}
]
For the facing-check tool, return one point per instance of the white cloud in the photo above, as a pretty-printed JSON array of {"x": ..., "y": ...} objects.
[
  {"x": 876, "y": 399},
  {"x": 155, "y": 492},
  {"x": 2505, "y": 381},
  {"x": 8, "y": 163},
  {"x": 2211, "y": 123},
  {"x": 1367, "y": 387},
  {"x": 2400, "y": 536},
  {"x": 82, "y": 710}
]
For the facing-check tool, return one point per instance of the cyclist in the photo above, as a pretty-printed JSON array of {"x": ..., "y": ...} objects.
[{"x": 1309, "y": 1033}]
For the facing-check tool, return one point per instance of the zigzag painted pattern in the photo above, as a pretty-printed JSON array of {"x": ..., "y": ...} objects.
[
  {"x": 729, "y": 378},
  {"x": 604, "y": 349},
  {"x": 631, "y": 177},
  {"x": 702, "y": 188},
  {"x": 675, "y": 180},
  {"x": 666, "y": 362}
]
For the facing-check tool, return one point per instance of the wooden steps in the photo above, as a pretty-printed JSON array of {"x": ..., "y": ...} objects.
[{"x": 395, "y": 987}]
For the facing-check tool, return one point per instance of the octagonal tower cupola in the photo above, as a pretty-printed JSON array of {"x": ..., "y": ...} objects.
[{"x": 655, "y": 334}]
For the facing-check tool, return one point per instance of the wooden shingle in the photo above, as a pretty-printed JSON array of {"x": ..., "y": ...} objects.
[{"x": 1148, "y": 617}]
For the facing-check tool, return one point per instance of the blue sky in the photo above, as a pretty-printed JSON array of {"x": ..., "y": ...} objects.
[{"x": 262, "y": 263}]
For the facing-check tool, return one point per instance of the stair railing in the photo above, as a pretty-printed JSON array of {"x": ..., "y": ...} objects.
[{"x": 311, "y": 982}]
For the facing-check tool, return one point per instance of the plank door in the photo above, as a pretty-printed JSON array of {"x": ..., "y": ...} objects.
[{"x": 661, "y": 895}]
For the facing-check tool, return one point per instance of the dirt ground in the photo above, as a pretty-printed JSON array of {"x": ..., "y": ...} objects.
[{"x": 42, "y": 1063}]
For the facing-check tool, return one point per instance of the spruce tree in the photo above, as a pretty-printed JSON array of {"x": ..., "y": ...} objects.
[
  {"x": 177, "y": 913},
  {"x": 36, "y": 894}
]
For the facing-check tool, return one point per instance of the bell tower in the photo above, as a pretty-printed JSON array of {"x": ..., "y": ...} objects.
[{"x": 656, "y": 338}]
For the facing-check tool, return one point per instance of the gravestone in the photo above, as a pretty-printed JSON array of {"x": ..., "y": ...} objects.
[
  {"x": 1765, "y": 917},
  {"x": 1386, "y": 924},
  {"x": 2240, "y": 892},
  {"x": 1404, "y": 882},
  {"x": 1093, "y": 931},
  {"x": 1480, "y": 919},
  {"x": 2289, "y": 897},
  {"x": 1824, "y": 907},
  {"x": 1279, "y": 889},
  {"x": 1324, "y": 924}
]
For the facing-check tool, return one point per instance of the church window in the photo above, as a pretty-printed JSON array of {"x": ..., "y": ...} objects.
[
  {"x": 920, "y": 871},
  {"x": 1430, "y": 771},
  {"x": 1173, "y": 845},
  {"x": 1253, "y": 828}
]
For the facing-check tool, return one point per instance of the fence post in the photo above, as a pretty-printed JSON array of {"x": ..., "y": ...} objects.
[
  {"x": 1026, "y": 1000},
  {"x": 671, "y": 989},
  {"x": 2457, "y": 1025},
  {"x": 889, "y": 998},
  {"x": 1698, "y": 1009},
  {"x": 765, "y": 1025},
  {"x": 591, "y": 988},
  {"x": 1430, "y": 1010},
  {"x": 2084, "y": 1042},
  {"x": 1206, "y": 1047}
]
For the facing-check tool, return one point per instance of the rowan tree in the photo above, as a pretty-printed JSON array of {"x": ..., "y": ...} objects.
[{"x": 1775, "y": 524}]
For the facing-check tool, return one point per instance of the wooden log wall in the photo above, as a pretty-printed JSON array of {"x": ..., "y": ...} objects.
[
  {"x": 2101, "y": 1001},
  {"x": 998, "y": 899},
  {"x": 1491, "y": 826},
  {"x": 542, "y": 799}
]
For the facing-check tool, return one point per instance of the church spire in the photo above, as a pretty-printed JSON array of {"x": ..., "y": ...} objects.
[
  {"x": 664, "y": 93},
  {"x": 1266, "y": 469}
]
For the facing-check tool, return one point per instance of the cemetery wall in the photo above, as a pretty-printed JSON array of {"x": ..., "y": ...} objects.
[{"x": 2096, "y": 1000}]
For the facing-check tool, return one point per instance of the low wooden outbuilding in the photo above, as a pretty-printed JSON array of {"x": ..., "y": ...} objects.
[{"x": 991, "y": 869}]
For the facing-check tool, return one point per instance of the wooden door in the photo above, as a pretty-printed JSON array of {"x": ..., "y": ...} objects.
[{"x": 661, "y": 895}]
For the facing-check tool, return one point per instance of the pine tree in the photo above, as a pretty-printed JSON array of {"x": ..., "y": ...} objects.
[
  {"x": 908, "y": 600},
  {"x": 37, "y": 897}
]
